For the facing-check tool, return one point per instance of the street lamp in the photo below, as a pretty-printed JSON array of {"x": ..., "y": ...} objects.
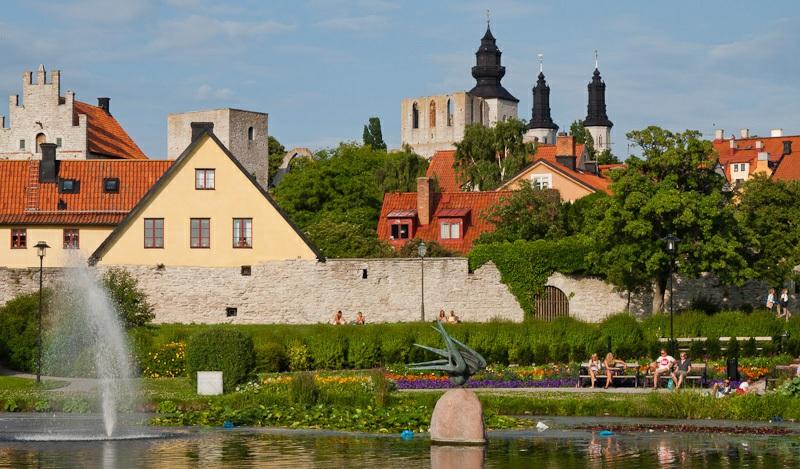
[
  {"x": 422, "y": 249},
  {"x": 672, "y": 245},
  {"x": 41, "y": 250}
]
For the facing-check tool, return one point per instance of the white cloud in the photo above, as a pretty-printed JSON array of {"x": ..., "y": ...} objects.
[
  {"x": 193, "y": 31},
  {"x": 96, "y": 11},
  {"x": 205, "y": 92},
  {"x": 354, "y": 23}
]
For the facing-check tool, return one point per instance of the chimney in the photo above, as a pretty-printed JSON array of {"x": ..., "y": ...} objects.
[
  {"x": 198, "y": 128},
  {"x": 744, "y": 133},
  {"x": 732, "y": 142},
  {"x": 424, "y": 200},
  {"x": 787, "y": 147},
  {"x": 776, "y": 133},
  {"x": 759, "y": 144},
  {"x": 565, "y": 145},
  {"x": 719, "y": 134},
  {"x": 48, "y": 167},
  {"x": 103, "y": 103}
]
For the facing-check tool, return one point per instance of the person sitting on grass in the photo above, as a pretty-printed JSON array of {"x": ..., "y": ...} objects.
[
  {"x": 594, "y": 368},
  {"x": 611, "y": 364},
  {"x": 682, "y": 369},
  {"x": 360, "y": 321},
  {"x": 721, "y": 391},
  {"x": 338, "y": 319},
  {"x": 744, "y": 387},
  {"x": 661, "y": 366},
  {"x": 453, "y": 319},
  {"x": 442, "y": 316}
]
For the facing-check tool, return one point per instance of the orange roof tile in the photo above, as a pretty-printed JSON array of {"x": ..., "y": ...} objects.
[
  {"x": 105, "y": 136},
  {"x": 441, "y": 168},
  {"x": 448, "y": 203},
  {"x": 788, "y": 168},
  {"x": 23, "y": 200},
  {"x": 746, "y": 151}
]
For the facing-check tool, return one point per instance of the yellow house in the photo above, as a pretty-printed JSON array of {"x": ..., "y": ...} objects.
[{"x": 204, "y": 211}]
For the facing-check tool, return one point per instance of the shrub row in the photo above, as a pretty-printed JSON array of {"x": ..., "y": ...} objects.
[{"x": 306, "y": 347}]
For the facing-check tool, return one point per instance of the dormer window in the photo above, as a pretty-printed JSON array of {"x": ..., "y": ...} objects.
[
  {"x": 401, "y": 230},
  {"x": 111, "y": 185},
  {"x": 450, "y": 230},
  {"x": 68, "y": 186}
]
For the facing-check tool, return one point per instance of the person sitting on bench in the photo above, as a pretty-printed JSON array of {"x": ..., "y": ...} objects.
[
  {"x": 611, "y": 365},
  {"x": 661, "y": 366},
  {"x": 594, "y": 368},
  {"x": 682, "y": 369}
]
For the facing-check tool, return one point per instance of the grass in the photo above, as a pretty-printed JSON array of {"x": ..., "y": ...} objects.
[{"x": 14, "y": 383}]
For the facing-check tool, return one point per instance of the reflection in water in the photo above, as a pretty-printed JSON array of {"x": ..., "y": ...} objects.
[{"x": 515, "y": 450}]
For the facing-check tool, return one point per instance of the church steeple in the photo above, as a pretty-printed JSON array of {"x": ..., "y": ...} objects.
[
  {"x": 596, "y": 109},
  {"x": 540, "y": 114},
  {"x": 488, "y": 71}
]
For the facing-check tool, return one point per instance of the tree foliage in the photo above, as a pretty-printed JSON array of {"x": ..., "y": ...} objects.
[
  {"x": 581, "y": 135},
  {"x": 130, "y": 301},
  {"x": 373, "y": 135},
  {"x": 673, "y": 189},
  {"x": 347, "y": 239},
  {"x": 276, "y": 153},
  {"x": 769, "y": 215},
  {"x": 488, "y": 156},
  {"x": 433, "y": 249},
  {"x": 528, "y": 214}
]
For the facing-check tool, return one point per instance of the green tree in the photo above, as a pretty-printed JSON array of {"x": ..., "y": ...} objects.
[
  {"x": 673, "y": 189},
  {"x": 400, "y": 171},
  {"x": 580, "y": 214},
  {"x": 433, "y": 249},
  {"x": 131, "y": 302},
  {"x": 488, "y": 156},
  {"x": 606, "y": 157},
  {"x": 528, "y": 214},
  {"x": 581, "y": 135},
  {"x": 345, "y": 239},
  {"x": 373, "y": 135},
  {"x": 276, "y": 153},
  {"x": 770, "y": 218}
]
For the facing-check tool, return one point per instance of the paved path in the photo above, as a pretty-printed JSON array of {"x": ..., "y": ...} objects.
[
  {"x": 76, "y": 385},
  {"x": 570, "y": 390}
]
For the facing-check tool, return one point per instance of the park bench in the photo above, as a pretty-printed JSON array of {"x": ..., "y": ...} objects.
[
  {"x": 685, "y": 342},
  {"x": 630, "y": 373},
  {"x": 698, "y": 375}
]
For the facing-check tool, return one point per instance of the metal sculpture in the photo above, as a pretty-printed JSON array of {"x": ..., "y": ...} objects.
[{"x": 459, "y": 362}]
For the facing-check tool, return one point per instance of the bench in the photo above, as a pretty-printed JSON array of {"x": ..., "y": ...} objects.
[
  {"x": 629, "y": 373},
  {"x": 698, "y": 374},
  {"x": 685, "y": 342}
]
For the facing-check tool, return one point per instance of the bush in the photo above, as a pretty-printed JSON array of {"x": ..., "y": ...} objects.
[
  {"x": 750, "y": 349},
  {"x": 696, "y": 350},
  {"x": 271, "y": 357},
  {"x": 381, "y": 387},
  {"x": 328, "y": 352},
  {"x": 169, "y": 361},
  {"x": 221, "y": 348},
  {"x": 131, "y": 302},
  {"x": 733, "y": 348},
  {"x": 303, "y": 389},
  {"x": 713, "y": 347},
  {"x": 396, "y": 348},
  {"x": 18, "y": 332},
  {"x": 627, "y": 340},
  {"x": 298, "y": 355},
  {"x": 363, "y": 351}
]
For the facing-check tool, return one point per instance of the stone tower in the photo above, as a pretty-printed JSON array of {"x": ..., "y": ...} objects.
[
  {"x": 488, "y": 71},
  {"x": 596, "y": 121},
  {"x": 541, "y": 127}
]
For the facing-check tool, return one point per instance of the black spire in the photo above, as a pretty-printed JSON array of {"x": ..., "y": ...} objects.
[
  {"x": 540, "y": 115},
  {"x": 596, "y": 109},
  {"x": 488, "y": 72}
]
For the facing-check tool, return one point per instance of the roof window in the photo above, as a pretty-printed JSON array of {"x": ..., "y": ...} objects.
[
  {"x": 69, "y": 186},
  {"x": 111, "y": 185}
]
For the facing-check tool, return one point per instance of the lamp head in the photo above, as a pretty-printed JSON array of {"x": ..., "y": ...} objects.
[
  {"x": 41, "y": 248},
  {"x": 672, "y": 242},
  {"x": 422, "y": 249}
]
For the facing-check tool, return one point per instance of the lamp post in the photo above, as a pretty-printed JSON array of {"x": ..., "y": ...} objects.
[
  {"x": 672, "y": 244},
  {"x": 41, "y": 250},
  {"x": 422, "y": 249}
]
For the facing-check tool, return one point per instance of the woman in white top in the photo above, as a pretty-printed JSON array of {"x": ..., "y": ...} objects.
[
  {"x": 771, "y": 299},
  {"x": 594, "y": 368}
]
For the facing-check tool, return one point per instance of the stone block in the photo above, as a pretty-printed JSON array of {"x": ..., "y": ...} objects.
[
  {"x": 457, "y": 457},
  {"x": 209, "y": 383},
  {"x": 458, "y": 418}
]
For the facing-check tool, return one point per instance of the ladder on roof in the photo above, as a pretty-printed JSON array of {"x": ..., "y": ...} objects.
[{"x": 32, "y": 187}]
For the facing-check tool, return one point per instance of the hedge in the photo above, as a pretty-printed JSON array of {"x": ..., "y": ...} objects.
[
  {"x": 321, "y": 346},
  {"x": 221, "y": 348}
]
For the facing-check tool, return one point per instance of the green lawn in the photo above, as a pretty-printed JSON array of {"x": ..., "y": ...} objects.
[{"x": 13, "y": 383}]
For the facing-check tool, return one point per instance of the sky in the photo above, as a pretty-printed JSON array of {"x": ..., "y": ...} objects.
[{"x": 321, "y": 68}]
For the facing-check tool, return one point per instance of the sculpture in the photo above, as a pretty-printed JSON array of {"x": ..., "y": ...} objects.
[{"x": 459, "y": 362}]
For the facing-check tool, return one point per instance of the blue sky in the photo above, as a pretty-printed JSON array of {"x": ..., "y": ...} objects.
[{"x": 321, "y": 68}]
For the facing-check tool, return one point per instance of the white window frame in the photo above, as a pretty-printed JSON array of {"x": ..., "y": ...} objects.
[
  {"x": 449, "y": 230},
  {"x": 538, "y": 179}
]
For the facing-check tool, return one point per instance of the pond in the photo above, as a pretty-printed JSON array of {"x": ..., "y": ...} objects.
[{"x": 562, "y": 448}]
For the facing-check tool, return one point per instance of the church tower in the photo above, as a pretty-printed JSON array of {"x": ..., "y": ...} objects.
[
  {"x": 541, "y": 128},
  {"x": 498, "y": 104},
  {"x": 597, "y": 122}
]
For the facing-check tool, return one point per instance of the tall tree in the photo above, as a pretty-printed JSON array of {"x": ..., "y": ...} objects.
[
  {"x": 528, "y": 214},
  {"x": 276, "y": 153},
  {"x": 345, "y": 239},
  {"x": 488, "y": 156},
  {"x": 400, "y": 171},
  {"x": 770, "y": 218},
  {"x": 673, "y": 189},
  {"x": 581, "y": 135},
  {"x": 373, "y": 135}
]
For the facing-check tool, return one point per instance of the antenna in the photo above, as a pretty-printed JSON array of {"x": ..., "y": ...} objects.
[
  {"x": 488, "y": 17},
  {"x": 595, "y": 59},
  {"x": 541, "y": 59}
]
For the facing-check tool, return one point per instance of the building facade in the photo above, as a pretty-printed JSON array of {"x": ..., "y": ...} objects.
[{"x": 80, "y": 131}]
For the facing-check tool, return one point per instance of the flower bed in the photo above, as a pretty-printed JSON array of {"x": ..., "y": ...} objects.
[{"x": 546, "y": 376}]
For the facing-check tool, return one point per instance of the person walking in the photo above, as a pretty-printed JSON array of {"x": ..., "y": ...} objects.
[
  {"x": 771, "y": 300},
  {"x": 783, "y": 304}
]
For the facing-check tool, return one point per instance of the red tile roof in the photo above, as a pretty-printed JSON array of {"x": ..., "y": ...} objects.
[
  {"x": 23, "y": 200},
  {"x": 788, "y": 168},
  {"x": 595, "y": 182},
  {"x": 746, "y": 151},
  {"x": 441, "y": 168},
  {"x": 444, "y": 203},
  {"x": 105, "y": 136}
]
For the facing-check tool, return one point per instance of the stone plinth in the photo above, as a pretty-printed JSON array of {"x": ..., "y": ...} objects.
[
  {"x": 457, "y": 457},
  {"x": 209, "y": 383},
  {"x": 458, "y": 418}
]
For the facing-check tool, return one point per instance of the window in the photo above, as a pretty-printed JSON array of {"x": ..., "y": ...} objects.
[
  {"x": 204, "y": 179},
  {"x": 22, "y": 144},
  {"x": 432, "y": 114},
  {"x": 71, "y": 238},
  {"x": 449, "y": 112},
  {"x": 40, "y": 139},
  {"x": 201, "y": 232},
  {"x": 68, "y": 186},
  {"x": 111, "y": 185},
  {"x": 251, "y": 134},
  {"x": 19, "y": 238},
  {"x": 242, "y": 232},
  {"x": 450, "y": 230},
  {"x": 247, "y": 270},
  {"x": 59, "y": 142},
  {"x": 414, "y": 116},
  {"x": 153, "y": 233},
  {"x": 541, "y": 181},
  {"x": 400, "y": 231},
  {"x": 230, "y": 312}
]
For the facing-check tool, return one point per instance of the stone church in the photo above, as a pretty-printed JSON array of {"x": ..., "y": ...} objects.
[
  {"x": 435, "y": 123},
  {"x": 79, "y": 130}
]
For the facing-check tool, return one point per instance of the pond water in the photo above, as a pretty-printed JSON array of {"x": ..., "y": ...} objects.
[{"x": 259, "y": 448}]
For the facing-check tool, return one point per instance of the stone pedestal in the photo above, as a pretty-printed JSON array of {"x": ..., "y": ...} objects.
[
  {"x": 458, "y": 418},
  {"x": 457, "y": 457},
  {"x": 209, "y": 383}
]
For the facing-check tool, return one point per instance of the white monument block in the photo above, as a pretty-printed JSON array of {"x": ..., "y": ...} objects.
[{"x": 209, "y": 383}]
